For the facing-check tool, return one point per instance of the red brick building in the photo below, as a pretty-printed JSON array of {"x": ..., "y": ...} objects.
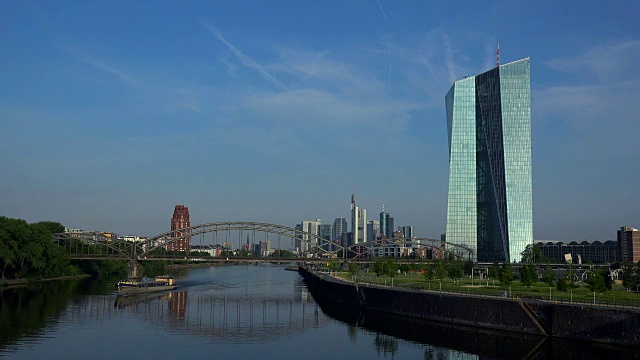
[
  {"x": 180, "y": 220},
  {"x": 628, "y": 244}
]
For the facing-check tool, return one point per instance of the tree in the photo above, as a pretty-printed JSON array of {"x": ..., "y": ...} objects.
[
  {"x": 494, "y": 272},
  {"x": 549, "y": 276},
  {"x": 506, "y": 274},
  {"x": 528, "y": 275},
  {"x": 532, "y": 254},
  {"x": 354, "y": 269},
  {"x": 440, "y": 271},
  {"x": 454, "y": 270},
  {"x": 391, "y": 267},
  {"x": 334, "y": 266},
  {"x": 571, "y": 276},
  {"x": 627, "y": 275},
  {"x": 606, "y": 277},
  {"x": 379, "y": 267},
  {"x": 562, "y": 285},
  {"x": 429, "y": 272},
  {"x": 636, "y": 277},
  {"x": 596, "y": 283},
  {"x": 468, "y": 267}
]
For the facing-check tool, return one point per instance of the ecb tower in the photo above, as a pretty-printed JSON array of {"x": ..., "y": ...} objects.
[{"x": 489, "y": 127}]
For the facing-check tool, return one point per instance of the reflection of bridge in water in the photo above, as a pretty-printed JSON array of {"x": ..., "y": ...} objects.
[{"x": 233, "y": 317}]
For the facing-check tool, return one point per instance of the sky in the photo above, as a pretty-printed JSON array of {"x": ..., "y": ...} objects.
[{"x": 111, "y": 113}]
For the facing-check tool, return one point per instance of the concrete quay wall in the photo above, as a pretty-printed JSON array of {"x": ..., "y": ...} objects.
[{"x": 591, "y": 323}]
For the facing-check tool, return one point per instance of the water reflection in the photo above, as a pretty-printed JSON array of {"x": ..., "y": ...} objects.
[
  {"x": 260, "y": 308},
  {"x": 448, "y": 341}
]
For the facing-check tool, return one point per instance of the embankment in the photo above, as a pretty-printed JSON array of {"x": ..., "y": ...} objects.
[{"x": 607, "y": 325}]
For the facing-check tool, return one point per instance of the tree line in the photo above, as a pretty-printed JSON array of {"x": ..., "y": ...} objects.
[{"x": 27, "y": 250}]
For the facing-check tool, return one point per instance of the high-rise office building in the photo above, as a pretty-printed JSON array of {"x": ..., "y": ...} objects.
[
  {"x": 628, "y": 244},
  {"x": 312, "y": 227},
  {"x": 386, "y": 224},
  {"x": 407, "y": 231},
  {"x": 489, "y": 128},
  {"x": 180, "y": 220},
  {"x": 373, "y": 228},
  {"x": 324, "y": 231},
  {"x": 339, "y": 227},
  {"x": 358, "y": 223}
]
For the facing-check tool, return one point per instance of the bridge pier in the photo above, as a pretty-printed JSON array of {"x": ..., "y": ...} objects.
[{"x": 135, "y": 269}]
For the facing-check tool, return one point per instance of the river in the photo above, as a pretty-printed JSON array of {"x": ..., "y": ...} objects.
[{"x": 241, "y": 312}]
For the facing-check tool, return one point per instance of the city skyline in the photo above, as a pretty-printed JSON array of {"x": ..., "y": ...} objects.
[{"x": 112, "y": 114}]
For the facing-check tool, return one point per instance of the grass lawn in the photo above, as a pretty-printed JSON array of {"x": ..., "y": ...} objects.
[{"x": 615, "y": 297}]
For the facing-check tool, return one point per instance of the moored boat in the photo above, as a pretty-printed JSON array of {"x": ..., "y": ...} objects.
[{"x": 159, "y": 283}]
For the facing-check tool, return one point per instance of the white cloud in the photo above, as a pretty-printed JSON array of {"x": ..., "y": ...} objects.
[
  {"x": 244, "y": 59},
  {"x": 610, "y": 62}
]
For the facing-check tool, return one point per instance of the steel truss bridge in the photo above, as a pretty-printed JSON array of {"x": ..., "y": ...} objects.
[{"x": 98, "y": 245}]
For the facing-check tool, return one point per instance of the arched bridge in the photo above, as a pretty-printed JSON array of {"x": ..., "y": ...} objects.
[{"x": 91, "y": 245}]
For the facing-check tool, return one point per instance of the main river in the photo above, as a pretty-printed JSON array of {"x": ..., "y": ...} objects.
[{"x": 241, "y": 312}]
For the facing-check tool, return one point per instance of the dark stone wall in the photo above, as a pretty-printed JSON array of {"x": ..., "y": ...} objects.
[
  {"x": 493, "y": 313},
  {"x": 614, "y": 325},
  {"x": 606, "y": 325}
]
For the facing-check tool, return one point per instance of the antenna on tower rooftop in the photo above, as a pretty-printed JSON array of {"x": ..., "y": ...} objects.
[{"x": 498, "y": 56}]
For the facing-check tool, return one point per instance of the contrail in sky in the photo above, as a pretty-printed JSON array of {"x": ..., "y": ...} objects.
[
  {"x": 382, "y": 10},
  {"x": 244, "y": 59}
]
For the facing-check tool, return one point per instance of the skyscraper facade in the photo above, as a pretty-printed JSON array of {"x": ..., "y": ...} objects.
[
  {"x": 180, "y": 220},
  {"x": 407, "y": 231},
  {"x": 628, "y": 244},
  {"x": 373, "y": 229},
  {"x": 324, "y": 231},
  {"x": 490, "y": 197},
  {"x": 358, "y": 223},
  {"x": 339, "y": 227}
]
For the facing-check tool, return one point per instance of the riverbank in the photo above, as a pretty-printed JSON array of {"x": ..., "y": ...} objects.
[
  {"x": 581, "y": 322},
  {"x": 24, "y": 281}
]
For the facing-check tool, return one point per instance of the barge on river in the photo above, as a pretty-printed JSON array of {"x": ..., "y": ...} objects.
[{"x": 159, "y": 283}]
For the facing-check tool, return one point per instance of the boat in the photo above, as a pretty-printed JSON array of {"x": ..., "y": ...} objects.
[
  {"x": 291, "y": 268},
  {"x": 146, "y": 285}
]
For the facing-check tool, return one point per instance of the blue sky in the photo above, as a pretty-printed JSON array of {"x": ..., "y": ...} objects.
[{"x": 113, "y": 112}]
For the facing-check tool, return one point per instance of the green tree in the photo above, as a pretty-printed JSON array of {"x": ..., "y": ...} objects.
[
  {"x": 429, "y": 272},
  {"x": 549, "y": 276},
  {"x": 627, "y": 275},
  {"x": 636, "y": 276},
  {"x": 506, "y": 274},
  {"x": 606, "y": 277},
  {"x": 13, "y": 234},
  {"x": 440, "y": 271},
  {"x": 468, "y": 267},
  {"x": 454, "y": 271},
  {"x": 571, "y": 276},
  {"x": 596, "y": 283},
  {"x": 562, "y": 285},
  {"x": 379, "y": 267},
  {"x": 391, "y": 267},
  {"x": 334, "y": 266},
  {"x": 528, "y": 275},
  {"x": 532, "y": 254},
  {"x": 354, "y": 269},
  {"x": 494, "y": 272}
]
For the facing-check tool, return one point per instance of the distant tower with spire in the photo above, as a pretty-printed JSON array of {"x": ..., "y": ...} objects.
[{"x": 358, "y": 222}]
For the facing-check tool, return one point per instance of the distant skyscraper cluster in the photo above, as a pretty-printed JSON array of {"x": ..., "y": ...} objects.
[
  {"x": 348, "y": 232},
  {"x": 490, "y": 197}
]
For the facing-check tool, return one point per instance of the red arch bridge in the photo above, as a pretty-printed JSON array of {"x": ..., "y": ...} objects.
[{"x": 311, "y": 247}]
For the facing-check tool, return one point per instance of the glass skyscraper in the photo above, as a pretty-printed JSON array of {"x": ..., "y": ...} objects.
[{"x": 489, "y": 127}]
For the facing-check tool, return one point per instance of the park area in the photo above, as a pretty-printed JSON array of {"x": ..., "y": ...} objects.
[{"x": 558, "y": 283}]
